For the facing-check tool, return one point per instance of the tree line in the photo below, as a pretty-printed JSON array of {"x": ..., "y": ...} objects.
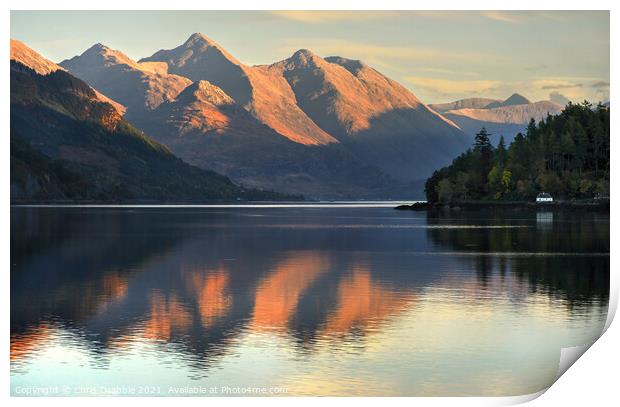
[{"x": 566, "y": 155}]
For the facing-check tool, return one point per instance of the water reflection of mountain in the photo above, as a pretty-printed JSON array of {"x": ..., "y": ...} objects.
[
  {"x": 67, "y": 262},
  {"x": 564, "y": 255},
  {"x": 200, "y": 279},
  {"x": 194, "y": 278}
]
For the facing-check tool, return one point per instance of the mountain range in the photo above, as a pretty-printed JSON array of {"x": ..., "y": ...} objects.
[
  {"x": 323, "y": 127},
  {"x": 68, "y": 142},
  {"x": 500, "y": 117}
]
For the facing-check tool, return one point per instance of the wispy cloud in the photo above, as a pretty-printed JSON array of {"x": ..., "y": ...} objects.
[
  {"x": 446, "y": 87},
  {"x": 600, "y": 85},
  {"x": 573, "y": 88},
  {"x": 324, "y": 16},
  {"x": 562, "y": 86},
  {"x": 536, "y": 68},
  {"x": 330, "y": 16},
  {"x": 522, "y": 17},
  {"x": 444, "y": 14},
  {"x": 368, "y": 51},
  {"x": 444, "y": 71},
  {"x": 503, "y": 16},
  {"x": 567, "y": 83}
]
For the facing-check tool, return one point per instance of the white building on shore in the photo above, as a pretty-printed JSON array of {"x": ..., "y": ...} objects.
[{"x": 544, "y": 197}]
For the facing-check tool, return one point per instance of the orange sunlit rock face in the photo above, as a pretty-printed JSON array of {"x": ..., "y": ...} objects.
[
  {"x": 278, "y": 294},
  {"x": 363, "y": 304},
  {"x": 261, "y": 91},
  {"x": 167, "y": 314},
  {"x": 274, "y": 103},
  {"x": 210, "y": 290},
  {"x": 21, "y": 53},
  {"x": 200, "y": 107}
]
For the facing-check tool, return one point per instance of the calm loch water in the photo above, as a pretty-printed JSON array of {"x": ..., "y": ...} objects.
[{"x": 300, "y": 301}]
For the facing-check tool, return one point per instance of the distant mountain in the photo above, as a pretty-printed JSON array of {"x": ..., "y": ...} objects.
[
  {"x": 68, "y": 144},
  {"x": 501, "y": 118},
  {"x": 469, "y": 103},
  {"x": 480, "y": 103},
  {"x": 515, "y": 114},
  {"x": 514, "y": 100}
]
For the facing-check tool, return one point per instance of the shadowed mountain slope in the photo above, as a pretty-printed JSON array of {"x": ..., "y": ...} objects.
[{"x": 208, "y": 129}]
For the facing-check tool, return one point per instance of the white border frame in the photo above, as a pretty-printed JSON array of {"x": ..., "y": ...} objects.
[{"x": 597, "y": 371}]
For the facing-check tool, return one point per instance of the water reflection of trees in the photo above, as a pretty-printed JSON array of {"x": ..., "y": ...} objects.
[
  {"x": 581, "y": 280},
  {"x": 564, "y": 255},
  {"x": 565, "y": 232}
]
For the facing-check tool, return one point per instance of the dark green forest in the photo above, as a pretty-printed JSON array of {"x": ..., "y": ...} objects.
[{"x": 566, "y": 155}]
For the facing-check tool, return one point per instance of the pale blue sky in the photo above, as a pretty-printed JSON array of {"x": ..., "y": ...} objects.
[{"x": 439, "y": 55}]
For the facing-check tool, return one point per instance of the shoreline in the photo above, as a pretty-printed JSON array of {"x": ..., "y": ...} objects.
[
  {"x": 224, "y": 204},
  {"x": 591, "y": 205}
]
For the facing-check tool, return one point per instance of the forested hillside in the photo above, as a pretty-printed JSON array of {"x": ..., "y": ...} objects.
[{"x": 566, "y": 155}]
